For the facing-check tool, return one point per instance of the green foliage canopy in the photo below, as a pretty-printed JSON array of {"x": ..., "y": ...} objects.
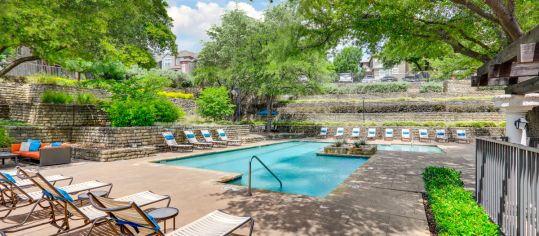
[
  {"x": 348, "y": 60},
  {"x": 215, "y": 103}
]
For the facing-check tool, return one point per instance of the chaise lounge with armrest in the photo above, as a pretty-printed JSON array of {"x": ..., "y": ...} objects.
[{"x": 46, "y": 154}]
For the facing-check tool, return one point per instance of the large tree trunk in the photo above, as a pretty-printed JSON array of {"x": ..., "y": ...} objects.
[
  {"x": 506, "y": 18},
  {"x": 15, "y": 63},
  {"x": 269, "y": 117}
]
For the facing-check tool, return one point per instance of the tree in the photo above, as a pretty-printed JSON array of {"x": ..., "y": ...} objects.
[
  {"x": 60, "y": 30},
  {"x": 423, "y": 29},
  {"x": 348, "y": 60},
  {"x": 215, "y": 103}
]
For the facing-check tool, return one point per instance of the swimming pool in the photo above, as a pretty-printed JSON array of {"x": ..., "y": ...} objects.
[
  {"x": 409, "y": 148},
  {"x": 294, "y": 162}
]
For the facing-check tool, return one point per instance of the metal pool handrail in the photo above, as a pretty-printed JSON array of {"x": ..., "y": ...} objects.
[{"x": 264, "y": 165}]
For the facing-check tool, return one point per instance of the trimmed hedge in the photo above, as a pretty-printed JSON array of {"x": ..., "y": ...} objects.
[
  {"x": 471, "y": 124},
  {"x": 455, "y": 211},
  {"x": 432, "y": 87},
  {"x": 389, "y": 87},
  {"x": 179, "y": 95}
]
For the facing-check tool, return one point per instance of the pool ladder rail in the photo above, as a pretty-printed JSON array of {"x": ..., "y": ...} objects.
[{"x": 264, "y": 165}]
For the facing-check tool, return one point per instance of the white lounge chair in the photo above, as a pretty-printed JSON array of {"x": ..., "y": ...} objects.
[
  {"x": 355, "y": 133},
  {"x": 323, "y": 132},
  {"x": 424, "y": 135},
  {"x": 461, "y": 136},
  {"x": 371, "y": 133},
  {"x": 191, "y": 138},
  {"x": 339, "y": 133},
  {"x": 441, "y": 136},
  {"x": 170, "y": 140},
  {"x": 209, "y": 139},
  {"x": 132, "y": 219},
  {"x": 388, "y": 134},
  {"x": 222, "y": 136},
  {"x": 405, "y": 135}
]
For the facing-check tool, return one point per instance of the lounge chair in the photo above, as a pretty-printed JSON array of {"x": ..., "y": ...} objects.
[
  {"x": 132, "y": 219},
  {"x": 371, "y": 133},
  {"x": 90, "y": 215},
  {"x": 222, "y": 136},
  {"x": 461, "y": 136},
  {"x": 209, "y": 139},
  {"x": 170, "y": 140},
  {"x": 405, "y": 135},
  {"x": 424, "y": 135},
  {"x": 441, "y": 136},
  {"x": 192, "y": 139},
  {"x": 19, "y": 197},
  {"x": 355, "y": 133},
  {"x": 339, "y": 133},
  {"x": 323, "y": 132},
  {"x": 388, "y": 134}
]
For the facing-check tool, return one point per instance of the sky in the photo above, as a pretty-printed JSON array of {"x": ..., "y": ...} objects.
[{"x": 193, "y": 17}]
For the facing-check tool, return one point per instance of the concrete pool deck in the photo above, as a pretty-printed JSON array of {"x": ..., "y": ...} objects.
[{"x": 382, "y": 197}]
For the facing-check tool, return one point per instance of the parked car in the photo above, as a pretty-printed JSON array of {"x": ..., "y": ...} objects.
[
  {"x": 388, "y": 79},
  {"x": 367, "y": 79},
  {"x": 411, "y": 78}
]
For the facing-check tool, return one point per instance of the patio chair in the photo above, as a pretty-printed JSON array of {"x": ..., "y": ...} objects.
[
  {"x": 371, "y": 133},
  {"x": 209, "y": 139},
  {"x": 441, "y": 136},
  {"x": 323, "y": 132},
  {"x": 461, "y": 136},
  {"x": 405, "y": 135},
  {"x": 191, "y": 138},
  {"x": 355, "y": 133},
  {"x": 339, "y": 133},
  {"x": 222, "y": 136},
  {"x": 61, "y": 200},
  {"x": 388, "y": 134},
  {"x": 134, "y": 220},
  {"x": 170, "y": 141},
  {"x": 25, "y": 183},
  {"x": 424, "y": 135},
  {"x": 19, "y": 197}
]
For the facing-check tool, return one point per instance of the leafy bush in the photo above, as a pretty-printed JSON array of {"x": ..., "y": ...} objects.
[
  {"x": 86, "y": 98},
  {"x": 125, "y": 113},
  {"x": 5, "y": 140},
  {"x": 12, "y": 123},
  {"x": 454, "y": 209},
  {"x": 179, "y": 95},
  {"x": 215, "y": 103},
  {"x": 166, "y": 111},
  {"x": 98, "y": 84},
  {"x": 475, "y": 124},
  {"x": 388, "y": 87},
  {"x": 56, "y": 97},
  {"x": 53, "y": 80},
  {"x": 432, "y": 87},
  {"x": 471, "y": 124}
]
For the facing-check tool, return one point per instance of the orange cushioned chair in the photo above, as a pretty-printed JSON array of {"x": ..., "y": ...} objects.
[{"x": 46, "y": 155}]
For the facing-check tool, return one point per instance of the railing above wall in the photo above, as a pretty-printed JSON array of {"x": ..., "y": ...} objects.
[{"x": 507, "y": 185}]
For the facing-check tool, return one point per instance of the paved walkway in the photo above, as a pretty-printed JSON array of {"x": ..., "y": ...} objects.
[{"x": 383, "y": 197}]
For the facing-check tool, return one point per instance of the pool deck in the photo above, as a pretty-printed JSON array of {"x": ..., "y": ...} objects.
[{"x": 382, "y": 197}]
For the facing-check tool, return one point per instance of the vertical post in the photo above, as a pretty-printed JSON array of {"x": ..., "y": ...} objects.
[
  {"x": 249, "y": 189},
  {"x": 363, "y": 110}
]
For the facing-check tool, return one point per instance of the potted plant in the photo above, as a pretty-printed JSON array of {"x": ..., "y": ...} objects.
[{"x": 362, "y": 148}]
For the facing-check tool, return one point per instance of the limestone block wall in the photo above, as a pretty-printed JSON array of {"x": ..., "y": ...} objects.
[
  {"x": 11, "y": 92},
  {"x": 188, "y": 105},
  {"x": 57, "y": 114},
  {"x": 96, "y": 154},
  {"x": 393, "y": 116},
  {"x": 4, "y": 111},
  {"x": 533, "y": 125},
  {"x": 384, "y": 107},
  {"x": 45, "y": 134}
]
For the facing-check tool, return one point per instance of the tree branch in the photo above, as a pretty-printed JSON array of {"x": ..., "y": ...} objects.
[
  {"x": 470, "y": 5},
  {"x": 458, "y": 47},
  {"x": 15, "y": 63},
  {"x": 506, "y": 18}
]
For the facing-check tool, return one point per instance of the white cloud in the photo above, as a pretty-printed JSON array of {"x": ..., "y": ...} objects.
[{"x": 191, "y": 23}]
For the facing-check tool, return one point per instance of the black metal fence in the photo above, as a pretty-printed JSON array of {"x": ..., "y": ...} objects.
[{"x": 507, "y": 185}]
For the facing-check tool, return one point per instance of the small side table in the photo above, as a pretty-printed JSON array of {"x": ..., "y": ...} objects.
[
  {"x": 84, "y": 196},
  {"x": 163, "y": 214},
  {"x": 8, "y": 155}
]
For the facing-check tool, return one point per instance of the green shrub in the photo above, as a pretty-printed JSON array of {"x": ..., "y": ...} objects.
[
  {"x": 98, "y": 84},
  {"x": 179, "y": 95},
  {"x": 56, "y": 97},
  {"x": 5, "y": 140},
  {"x": 454, "y": 209},
  {"x": 54, "y": 80},
  {"x": 389, "y": 87},
  {"x": 431, "y": 87},
  {"x": 166, "y": 111},
  {"x": 126, "y": 113},
  {"x": 475, "y": 124},
  {"x": 12, "y": 123},
  {"x": 86, "y": 98},
  {"x": 215, "y": 103}
]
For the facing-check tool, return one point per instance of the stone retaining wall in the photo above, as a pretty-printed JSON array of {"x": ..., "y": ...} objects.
[
  {"x": 533, "y": 125},
  {"x": 11, "y": 92},
  {"x": 44, "y": 114},
  {"x": 4, "y": 111},
  {"x": 95, "y": 154},
  {"x": 314, "y": 130},
  {"x": 379, "y": 117},
  {"x": 188, "y": 105},
  {"x": 385, "y": 107},
  {"x": 45, "y": 134}
]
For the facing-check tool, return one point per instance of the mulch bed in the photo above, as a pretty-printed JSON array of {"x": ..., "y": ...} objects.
[{"x": 430, "y": 217}]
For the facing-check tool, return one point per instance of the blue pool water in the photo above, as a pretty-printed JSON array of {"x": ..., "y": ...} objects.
[
  {"x": 295, "y": 163},
  {"x": 409, "y": 148}
]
